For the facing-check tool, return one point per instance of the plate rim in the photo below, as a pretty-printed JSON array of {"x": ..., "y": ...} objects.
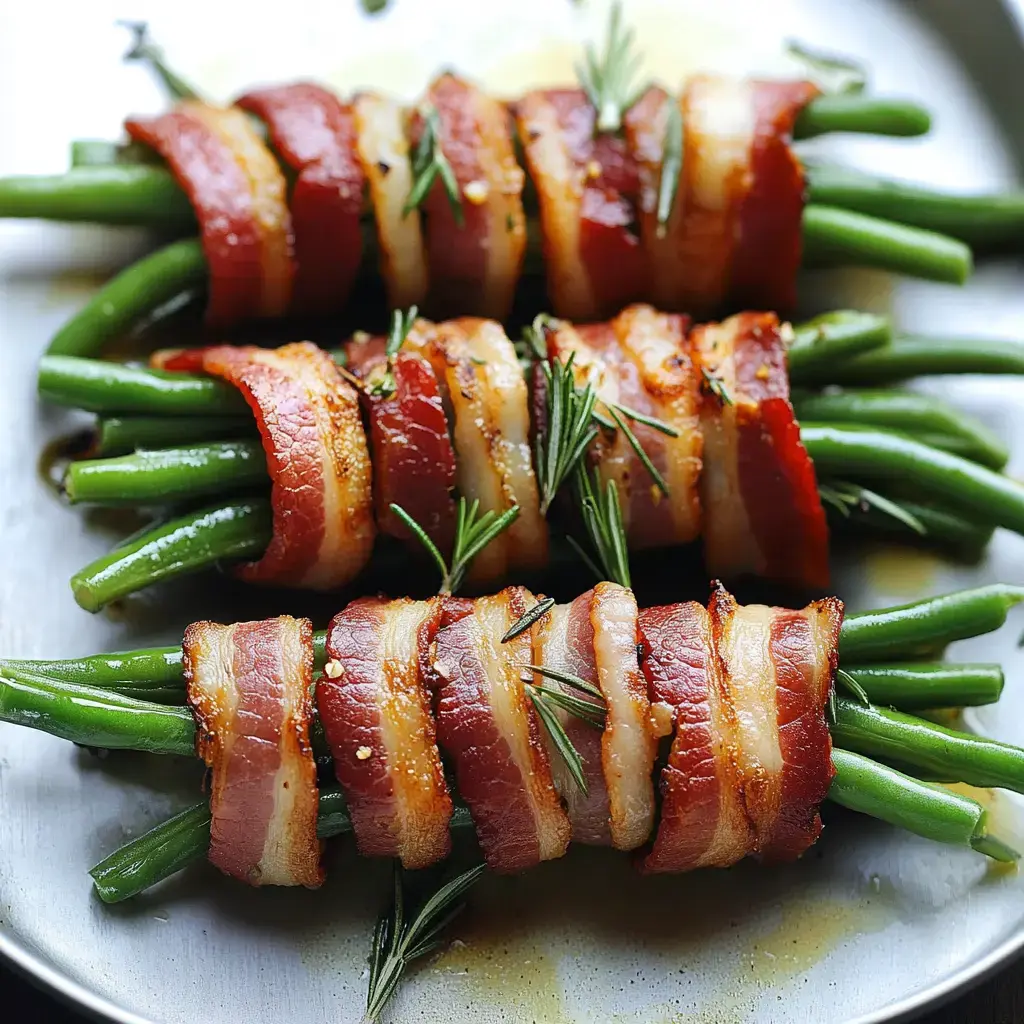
[{"x": 41, "y": 972}]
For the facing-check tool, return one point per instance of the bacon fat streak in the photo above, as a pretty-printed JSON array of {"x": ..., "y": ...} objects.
[
  {"x": 249, "y": 689},
  {"x": 741, "y": 690},
  {"x": 732, "y": 238}
]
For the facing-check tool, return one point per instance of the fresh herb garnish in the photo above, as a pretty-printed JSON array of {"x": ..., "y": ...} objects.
[
  {"x": 847, "y": 497},
  {"x": 852, "y": 686},
  {"x": 528, "y": 618},
  {"x": 714, "y": 385},
  {"x": 429, "y": 163},
  {"x": 374, "y": 6},
  {"x": 602, "y": 519},
  {"x": 569, "y": 429},
  {"x": 401, "y": 325},
  {"x": 671, "y": 166},
  {"x": 473, "y": 532},
  {"x": 832, "y": 73},
  {"x": 398, "y": 941},
  {"x": 634, "y": 443},
  {"x": 608, "y": 79},
  {"x": 145, "y": 50}
]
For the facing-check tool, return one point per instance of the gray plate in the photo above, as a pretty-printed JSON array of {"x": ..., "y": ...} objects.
[{"x": 871, "y": 925}]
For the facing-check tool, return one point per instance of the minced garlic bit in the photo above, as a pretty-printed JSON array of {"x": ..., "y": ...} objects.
[
  {"x": 762, "y": 372},
  {"x": 476, "y": 192},
  {"x": 332, "y": 669},
  {"x": 656, "y": 494},
  {"x": 363, "y": 753},
  {"x": 361, "y": 337},
  {"x": 593, "y": 170}
]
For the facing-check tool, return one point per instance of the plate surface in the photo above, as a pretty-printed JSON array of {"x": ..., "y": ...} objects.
[{"x": 871, "y": 924}]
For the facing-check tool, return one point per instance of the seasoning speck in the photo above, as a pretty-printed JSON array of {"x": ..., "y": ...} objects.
[
  {"x": 762, "y": 372},
  {"x": 476, "y": 192},
  {"x": 593, "y": 170},
  {"x": 363, "y": 753},
  {"x": 332, "y": 669}
]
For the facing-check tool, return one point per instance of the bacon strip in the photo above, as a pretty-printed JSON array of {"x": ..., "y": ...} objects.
[
  {"x": 483, "y": 386},
  {"x": 249, "y": 688},
  {"x": 486, "y": 725},
  {"x": 315, "y": 134},
  {"x": 239, "y": 196},
  {"x": 587, "y": 185},
  {"x": 641, "y": 360},
  {"x": 703, "y": 821},
  {"x": 778, "y": 667},
  {"x": 376, "y": 715},
  {"x": 564, "y": 641},
  {"x": 762, "y": 511},
  {"x": 767, "y": 258},
  {"x": 413, "y": 457},
  {"x": 384, "y": 152},
  {"x": 317, "y": 457},
  {"x": 474, "y": 266}
]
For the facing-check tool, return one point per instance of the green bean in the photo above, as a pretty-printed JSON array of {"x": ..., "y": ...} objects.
[
  {"x": 128, "y": 298},
  {"x": 104, "y": 153},
  {"x": 122, "y": 194},
  {"x": 835, "y": 237},
  {"x": 913, "y": 356},
  {"x": 819, "y": 343},
  {"x": 852, "y": 452},
  {"x": 99, "y": 386},
  {"x": 153, "y": 666},
  {"x": 118, "y": 435},
  {"x": 925, "y": 626},
  {"x": 855, "y": 112},
  {"x": 979, "y": 220},
  {"x": 182, "y": 546},
  {"x": 95, "y": 717},
  {"x": 153, "y": 693},
  {"x": 882, "y": 733},
  {"x": 930, "y": 811},
  {"x": 167, "y": 474},
  {"x": 917, "y": 686},
  {"x": 925, "y": 418}
]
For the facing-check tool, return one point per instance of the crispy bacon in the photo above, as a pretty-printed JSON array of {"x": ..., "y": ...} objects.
[
  {"x": 315, "y": 134},
  {"x": 413, "y": 457},
  {"x": 487, "y": 726},
  {"x": 641, "y": 360},
  {"x": 628, "y": 745},
  {"x": 475, "y": 265},
  {"x": 564, "y": 641},
  {"x": 777, "y": 668},
  {"x": 587, "y": 185},
  {"x": 317, "y": 456},
  {"x": 703, "y": 821},
  {"x": 482, "y": 384},
  {"x": 762, "y": 512},
  {"x": 384, "y": 152},
  {"x": 249, "y": 689},
  {"x": 767, "y": 258},
  {"x": 376, "y": 715},
  {"x": 239, "y": 196}
]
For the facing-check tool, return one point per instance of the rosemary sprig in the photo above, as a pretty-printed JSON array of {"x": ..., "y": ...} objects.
[
  {"x": 845, "y": 497},
  {"x": 602, "y": 519},
  {"x": 401, "y": 325},
  {"x": 398, "y": 941},
  {"x": 634, "y": 443},
  {"x": 852, "y": 686},
  {"x": 671, "y": 166},
  {"x": 535, "y": 334},
  {"x": 831, "y": 72},
  {"x": 540, "y": 698},
  {"x": 473, "y": 532},
  {"x": 144, "y": 49},
  {"x": 528, "y": 618},
  {"x": 569, "y": 429},
  {"x": 429, "y": 163},
  {"x": 608, "y": 79},
  {"x": 716, "y": 386}
]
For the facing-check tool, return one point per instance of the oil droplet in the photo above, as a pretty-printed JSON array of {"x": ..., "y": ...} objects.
[
  {"x": 901, "y": 572},
  {"x": 809, "y": 929},
  {"x": 513, "y": 972}
]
